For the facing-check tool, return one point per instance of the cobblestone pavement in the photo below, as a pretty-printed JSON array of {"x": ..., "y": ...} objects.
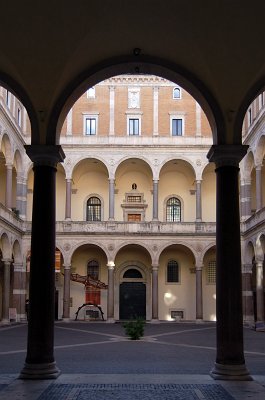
[{"x": 97, "y": 361}]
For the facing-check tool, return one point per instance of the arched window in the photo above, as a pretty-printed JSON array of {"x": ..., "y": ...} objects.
[
  {"x": 172, "y": 271},
  {"x": 173, "y": 210},
  {"x": 176, "y": 93},
  {"x": 93, "y": 209},
  {"x": 93, "y": 269},
  {"x": 132, "y": 273}
]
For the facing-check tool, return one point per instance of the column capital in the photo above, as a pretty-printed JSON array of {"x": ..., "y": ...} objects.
[
  {"x": 67, "y": 266},
  {"x": 227, "y": 154},
  {"x": 110, "y": 265},
  {"x": 199, "y": 267},
  {"x": 45, "y": 155},
  {"x": 155, "y": 267}
]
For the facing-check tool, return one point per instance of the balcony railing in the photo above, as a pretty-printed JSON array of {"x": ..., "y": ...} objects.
[
  {"x": 11, "y": 219},
  {"x": 130, "y": 228},
  {"x": 256, "y": 221}
]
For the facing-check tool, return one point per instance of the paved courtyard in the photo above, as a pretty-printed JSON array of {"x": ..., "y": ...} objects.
[{"x": 97, "y": 361}]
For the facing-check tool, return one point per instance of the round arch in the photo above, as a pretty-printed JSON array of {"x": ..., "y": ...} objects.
[
  {"x": 128, "y": 158},
  {"x": 179, "y": 157},
  {"x": 135, "y": 64},
  {"x": 17, "y": 253},
  {"x": 131, "y": 243}
]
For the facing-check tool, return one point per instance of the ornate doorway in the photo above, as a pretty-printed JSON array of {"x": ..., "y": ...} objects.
[{"x": 132, "y": 297}]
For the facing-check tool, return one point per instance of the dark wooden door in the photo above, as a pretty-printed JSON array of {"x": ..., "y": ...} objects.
[{"x": 132, "y": 300}]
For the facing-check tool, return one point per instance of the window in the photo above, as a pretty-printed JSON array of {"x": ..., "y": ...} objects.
[
  {"x": 19, "y": 116},
  {"x": 8, "y": 98},
  {"x": 249, "y": 117},
  {"x": 134, "y": 126},
  {"x": 91, "y": 93},
  {"x": 173, "y": 210},
  {"x": 172, "y": 272},
  {"x": 176, "y": 127},
  {"x": 93, "y": 269},
  {"x": 90, "y": 126},
  {"x": 93, "y": 209},
  {"x": 132, "y": 273},
  {"x": 176, "y": 93},
  {"x": 211, "y": 272},
  {"x": 93, "y": 294}
]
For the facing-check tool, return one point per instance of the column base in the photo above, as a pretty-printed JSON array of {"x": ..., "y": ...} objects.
[
  {"x": 155, "y": 321},
  {"x": 260, "y": 326},
  {"x": 199, "y": 320},
  {"x": 40, "y": 371},
  {"x": 230, "y": 372},
  {"x": 110, "y": 320},
  {"x": 5, "y": 322},
  {"x": 66, "y": 319}
]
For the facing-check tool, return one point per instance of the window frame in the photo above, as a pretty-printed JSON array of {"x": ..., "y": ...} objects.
[
  {"x": 178, "y": 282},
  {"x": 95, "y": 204},
  {"x": 91, "y": 92},
  {"x": 133, "y": 118},
  {"x": 179, "y": 91},
  {"x": 176, "y": 118},
  {"x": 209, "y": 281},
  {"x": 166, "y": 208},
  {"x": 90, "y": 117}
]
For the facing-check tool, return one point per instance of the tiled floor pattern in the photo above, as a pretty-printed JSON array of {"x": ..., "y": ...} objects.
[{"x": 135, "y": 391}]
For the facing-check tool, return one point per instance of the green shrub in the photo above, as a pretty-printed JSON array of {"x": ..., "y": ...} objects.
[{"x": 134, "y": 328}]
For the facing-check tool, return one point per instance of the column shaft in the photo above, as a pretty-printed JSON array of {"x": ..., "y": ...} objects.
[
  {"x": 110, "y": 309},
  {"x": 111, "y": 198},
  {"x": 6, "y": 292},
  {"x": 258, "y": 188},
  {"x": 68, "y": 199},
  {"x": 199, "y": 306},
  {"x": 155, "y": 293},
  {"x": 66, "y": 292},
  {"x": 40, "y": 362},
  {"x": 198, "y": 201},
  {"x": 260, "y": 291},
  {"x": 155, "y": 200},
  {"x": 230, "y": 362}
]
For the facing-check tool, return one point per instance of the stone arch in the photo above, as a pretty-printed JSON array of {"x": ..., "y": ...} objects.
[
  {"x": 17, "y": 252},
  {"x": 6, "y": 246},
  {"x": 18, "y": 162},
  {"x": 135, "y": 64},
  {"x": 260, "y": 150},
  {"x": 130, "y": 242},
  {"x": 129, "y": 157}
]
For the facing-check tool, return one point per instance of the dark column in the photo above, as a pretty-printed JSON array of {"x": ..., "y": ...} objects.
[
  {"x": 66, "y": 293},
  {"x": 40, "y": 362},
  {"x": 6, "y": 292},
  {"x": 155, "y": 293},
  {"x": 230, "y": 362},
  {"x": 110, "y": 310},
  {"x": 199, "y": 303}
]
